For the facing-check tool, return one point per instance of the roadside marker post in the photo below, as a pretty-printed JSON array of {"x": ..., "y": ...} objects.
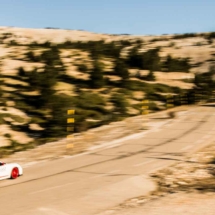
[
  {"x": 197, "y": 97},
  {"x": 200, "y": 97},
  {"x": 184, "y": 99},
  {"x": 169, "y": 101},
  {"x": 70, "y": 112},
  {"x": 70, "y": 128},
  {"x": 145, "y": 112},
  {"x": 192, "y": 98},
  {"x": 213, "y": 96},
  {"x": 70, "y": 120}
]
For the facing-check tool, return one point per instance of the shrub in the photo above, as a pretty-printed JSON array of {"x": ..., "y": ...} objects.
[
  {"x": 210, "y": 35},
  {"x": 176, "y": 65},
  {"x": 13, "y": 43},
  {"x": 82, "y": 68},
  {"x": 150, "y": 76},
  {"x": 7, "y": 135},
  {"x": 183, "y": 36},
  {"x": 120, "y": 104},
  {"x": 121, "y": 69},
  {"x": 21, "y": 71},
  {"x": 148, "y": 60},
  {"x": 96, "y": 76},
  {"x": 32, "y": 57}
]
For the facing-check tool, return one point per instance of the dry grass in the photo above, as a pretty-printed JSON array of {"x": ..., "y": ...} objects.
[{"x": 198, "y": 173}]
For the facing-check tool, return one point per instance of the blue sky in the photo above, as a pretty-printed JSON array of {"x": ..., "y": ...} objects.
[{"x": 137, "y": 17}]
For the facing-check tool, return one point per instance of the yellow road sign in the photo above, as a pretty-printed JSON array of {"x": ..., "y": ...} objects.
[
  {"x": 70, "y": 112},
  {"x": 70, "y": 120}
]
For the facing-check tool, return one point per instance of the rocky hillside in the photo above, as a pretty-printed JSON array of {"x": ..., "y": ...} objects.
[{"x": 105, "y": 78}]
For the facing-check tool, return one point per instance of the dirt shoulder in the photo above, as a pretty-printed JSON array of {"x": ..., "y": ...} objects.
[
  {"x": 186, "y": 187},
  {"x": 172, "y": 204},
  {"x": 97, "y": 137}
]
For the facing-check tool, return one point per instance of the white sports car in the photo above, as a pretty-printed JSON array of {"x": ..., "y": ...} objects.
[{"x": 10, "y": 170}]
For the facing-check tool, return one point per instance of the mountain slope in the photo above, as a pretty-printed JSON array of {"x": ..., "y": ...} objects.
[{"x": 45, "y": 72}]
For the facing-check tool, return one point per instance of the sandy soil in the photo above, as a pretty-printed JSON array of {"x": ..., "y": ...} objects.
[{"x": 177, "y": 204}]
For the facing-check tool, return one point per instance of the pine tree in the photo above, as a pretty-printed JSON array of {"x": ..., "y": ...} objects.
[
  {"x": 121, "y": 70},
  {"x": 21, "y": 72},
  {"x": 120, "y": 104},
  {"x": 150, "y": 76},
  {"x": 96, "y": 75}
]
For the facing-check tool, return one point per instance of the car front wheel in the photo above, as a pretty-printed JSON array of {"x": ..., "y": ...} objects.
[{"x": 15, "y": 173}]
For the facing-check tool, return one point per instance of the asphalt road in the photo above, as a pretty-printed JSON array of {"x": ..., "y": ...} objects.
[{"x": 93, "y": 182}]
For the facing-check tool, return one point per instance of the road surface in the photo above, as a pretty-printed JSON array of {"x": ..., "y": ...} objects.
[{"x": 104, "y": 177}]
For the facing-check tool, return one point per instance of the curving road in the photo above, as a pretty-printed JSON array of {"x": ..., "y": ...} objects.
[{"x": 102, "y": 178}]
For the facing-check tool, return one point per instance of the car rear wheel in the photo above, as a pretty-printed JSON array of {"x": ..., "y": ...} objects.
[{"x": 15, "y": 173}]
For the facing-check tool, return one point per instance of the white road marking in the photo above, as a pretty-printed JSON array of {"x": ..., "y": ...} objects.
[
  {"x": 32, "y": 163},
  {"x": 199, "y": 141},
  {"x": 146, "y": 162},
  {"x": 51, "y": 188},
  {"x": 187, "y": 147},
  {"x": 105, "y": 174},
  {"x": 204, "y": 138},
  {"x": 109, "y": 147},
  {"x": 207, "y": 136},
  {"x": 52, "y": 211}
]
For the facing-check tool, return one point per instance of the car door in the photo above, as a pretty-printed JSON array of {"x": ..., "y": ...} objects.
[{"x": 3, "y": 171}]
